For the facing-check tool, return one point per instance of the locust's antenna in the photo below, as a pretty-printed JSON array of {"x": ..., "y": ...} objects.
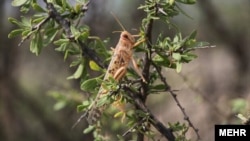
[{"x": 118, "y": 21}]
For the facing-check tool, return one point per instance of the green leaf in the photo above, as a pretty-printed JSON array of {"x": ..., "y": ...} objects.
[
  {"x": 94, "y": 66},
  {"x": 89, "y": 85},
  {"x": 17, "y": 3},
  {"x": 37, "y": 20},
  {"x": 178, "y": 67},
  {"x": 26, "y": 22},
  {"x": 89, "y": 129},
  {"x": 25, "y": 8},
  {"x": 14, "y": 21},
  {"x": 14, "y": 33},
  {"x": 77, "y": 73},
  {"x": 59, "y": 105},
  {"x": 75, "y": 32},
  {"x": 187, "y": 1},
  {"x": 187, "y": 57},
  {"x": 61, "y": 41},
  {"x": 65, "y": 4},
  {"x": 27, "y": 32},
  {"x": 36, "y": 44},
  {"x": 62, "y": 47},
  {"x": 159, "y": 87},
  {"x": 37, "y": 7},
  {"x": 193, "y": 35},
  {"x": 105, "y": 99},
  {"x": 83, "y": 106},
  {"x": 161, "y": 60},
  {"x": 76, "y": 62},
  {"x": 119, "y": 114},
  {"x": 171, "y": 2},
  {"x": 239, "y": 105},
  {"x": 49, "y": 36},
  {"x": 177, "y": 56}
]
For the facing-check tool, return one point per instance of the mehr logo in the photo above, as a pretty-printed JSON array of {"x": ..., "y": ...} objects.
[
  {"x": 232, "y": 132},
  {"x": 237, "y": 132}
]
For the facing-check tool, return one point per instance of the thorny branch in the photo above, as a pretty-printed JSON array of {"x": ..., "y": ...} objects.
[
  {"x": 154, "y": 121},
  {"x": 146, "y": 74},
  {"x": 168, "y": 88},
  {"x": 86, "y": 51},
  {"x": 146, "y": 69}
]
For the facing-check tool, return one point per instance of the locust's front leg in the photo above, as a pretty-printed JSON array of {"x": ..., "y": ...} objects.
[
  {"x": 139, "y": 42},
  {"x": 137, "y": 69}
]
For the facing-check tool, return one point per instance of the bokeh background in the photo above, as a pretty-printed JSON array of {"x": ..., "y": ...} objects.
[{"x": 213, "y": 88}]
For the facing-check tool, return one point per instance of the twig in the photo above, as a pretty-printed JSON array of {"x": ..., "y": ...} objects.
[
  {"x": 245, "y": 120},
  {"x": 168, "y": 89},
  {"x": 36, "y": 27},
  {"x": 130, "y": 129},
  {"x": 206, "y": 98},
  {"x": 200, "y": 47},
  {"x": 79, "y": 120},
  {"x": 90, "y": 53},
  {"x": 163, "y": 79},
  {"x": 154, "y": 121},
  {"x": 146, "y": 69}
]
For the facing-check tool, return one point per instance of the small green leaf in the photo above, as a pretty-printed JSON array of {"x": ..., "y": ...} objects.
[
  {"x": 59, "y": 105},
  {"x": 89, "y": 129},
  {"x": 178, "y": 67},
  {"x": 37, "y": 7},
  {"x": 104, "y": 100},
  {"x": 25, "y": 7},
  {"x": 65, "y": 4},
  {"x": 26, "y": 22},
  {"x": 177, "y": 56},
  {"x": 83, "y": 106},
  {"x": 176, "y": 38},
  {"x": 118, "y": 114},
  {"x": 161, "y": 60},
  {"x": 159, "y": 87},
  {"x": 27, "y": 32},
  {"x": 93, "y": 66},
  {"x": 89, "y": 85},
  {"x": 239, "y": 105},
  {"x": 190, "y": 43},
  {"x": 171, "y": 2},
  {"x": 187, "y": 57},
  {"x": 193, "y": 35},
  {"x": 80, "y": 108},
  {"x": 36, "y": 44},
  {"x": 77, "y": 73},
  {"x": 14, "y": 33},
  {"x": 37, "y": 20},
  {"x": 14, "y": 21},
  {"x": 187, "y": 1},
  {"x": 18, "y": 2},
  {"x": 49, "y": 35},
  {"x": 62, "y": 47},
  {"x": 61, "y": 41},
  {"x": 76, "y": 62}
]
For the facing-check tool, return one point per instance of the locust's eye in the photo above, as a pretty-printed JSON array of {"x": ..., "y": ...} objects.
[{"x": 125, "y": 36}]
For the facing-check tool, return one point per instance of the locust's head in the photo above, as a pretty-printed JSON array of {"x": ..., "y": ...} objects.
[{"x": 126, "y": 37}]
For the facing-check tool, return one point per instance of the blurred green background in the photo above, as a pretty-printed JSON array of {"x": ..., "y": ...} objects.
[{"x": 213, "y": 88}]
